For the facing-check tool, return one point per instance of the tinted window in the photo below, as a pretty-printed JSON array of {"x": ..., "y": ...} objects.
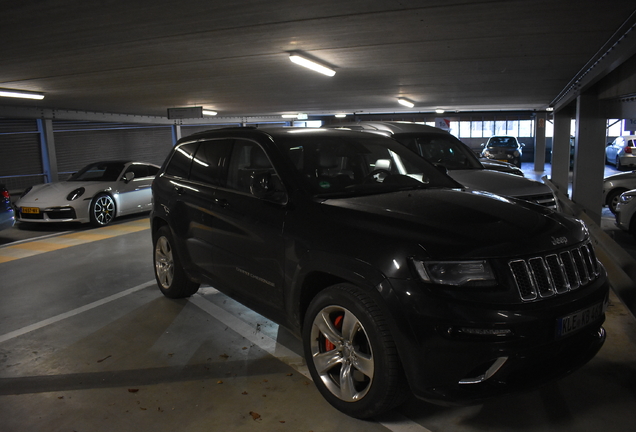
[
  {"x": 247, "y": 160},
  {"x": 439, "y": 149},
  {"x": 181, "y": 160},
  {"x": 141, "y": 171},
  {"x": 209, "y": 161}
]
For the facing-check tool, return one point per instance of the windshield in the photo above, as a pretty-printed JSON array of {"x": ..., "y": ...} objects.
[
  {"x": 100, "y": 171},
  {"x": 338, "y": 165},
  {"x": 502, "y": 142},
  {"x": 444, "y": 150}
]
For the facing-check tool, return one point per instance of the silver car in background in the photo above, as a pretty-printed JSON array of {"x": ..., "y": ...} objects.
[
  {"x": 445, "y": 150},
  {"x": 626, "y": 212},
  {"x": 622, "y": 152}
]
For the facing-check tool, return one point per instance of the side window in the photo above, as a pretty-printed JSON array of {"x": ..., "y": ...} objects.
[
  {"x": 249, "y": 162},
  {"x": 140, "y": 171},
  {"x": 208, "y": 163},
  {"x": 179, "y": 165}
]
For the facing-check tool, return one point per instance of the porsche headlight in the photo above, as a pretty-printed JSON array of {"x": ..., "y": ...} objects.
[
  {"x": 625, "y": 198},
  {"x": 76, "y": 194},
  {"x": 456, "y": 273}
]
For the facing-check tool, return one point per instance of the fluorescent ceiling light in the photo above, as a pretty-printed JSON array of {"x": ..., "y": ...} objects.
[
  {"x": 21, "y": 94},
  {"x": 209, "y": 112},
  {"x": 439, "y": 111},
  {"x": 406, "y": 102},
  {"x": 340, "y": 115},
  {"x": 310, "y": 64},
  {"x": 290, "y": 116}
]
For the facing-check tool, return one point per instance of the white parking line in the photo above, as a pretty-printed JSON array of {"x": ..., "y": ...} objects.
[
  {"x": 74, "y": 312},
  {"x": 394, "y": 422}
]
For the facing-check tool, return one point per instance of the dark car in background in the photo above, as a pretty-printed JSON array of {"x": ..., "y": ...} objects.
[
  {"x": 393, "y": 275},
  {"x": 7, "y": 214},
  {"x": 446, "y": 151},
  {"x": 503, "y": 148}
]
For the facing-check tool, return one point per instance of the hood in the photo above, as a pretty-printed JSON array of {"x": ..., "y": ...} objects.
[
  {"x": 499, "y": 183},
  {"x": 449, "y": 223}
]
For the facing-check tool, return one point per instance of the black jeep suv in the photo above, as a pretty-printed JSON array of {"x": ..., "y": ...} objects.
[{"x": 393, "y": 276}]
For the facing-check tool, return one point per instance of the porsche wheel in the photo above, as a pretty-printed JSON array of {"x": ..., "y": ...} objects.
[
  {"x": 351, "y": 354},
  {"x": 102, "y": 210}
]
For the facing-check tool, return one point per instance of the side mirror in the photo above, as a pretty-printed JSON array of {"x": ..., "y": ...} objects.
[
  {"x": 483, "y": 144},
  {"x": 129, "y": 176},
  {"x": 267, "y": 186},
  {"x": 441, "y": 168}
]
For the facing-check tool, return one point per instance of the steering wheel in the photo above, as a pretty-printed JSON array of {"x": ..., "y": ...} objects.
[{"x": 371, "y": 177}]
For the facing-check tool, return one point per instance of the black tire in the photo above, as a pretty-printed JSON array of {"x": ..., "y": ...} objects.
[
  {"x": 619, "y": 166},
  {"x": 358, "y": 371},
  {"x": 171, "y": 278},
  {"x": 102, "y": 210},
  {"x": 612, "y": 199}
]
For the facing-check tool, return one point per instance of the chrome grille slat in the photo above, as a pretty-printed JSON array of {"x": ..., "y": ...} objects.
[{"x": 545, "y": 276}]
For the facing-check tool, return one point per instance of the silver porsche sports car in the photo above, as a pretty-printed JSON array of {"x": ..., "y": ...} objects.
[{"x": 97, "y": 193}]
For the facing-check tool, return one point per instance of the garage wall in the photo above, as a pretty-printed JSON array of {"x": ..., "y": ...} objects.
[
  {"x": 20, "y": 153},
  {"x": 77, "y": 143}
]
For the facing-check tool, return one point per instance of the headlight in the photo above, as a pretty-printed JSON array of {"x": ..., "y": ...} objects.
[
  {"x": 457, "y": 273},
  {"x": 516, "y": 154},
  {"x": 76, "y": 194}
]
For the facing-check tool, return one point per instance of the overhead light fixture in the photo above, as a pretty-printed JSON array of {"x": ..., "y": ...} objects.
[
  {"x": 406, "y": 102},
  {"x": 289, "y": 116},
  {"x": 20, "y": 94},
  {"x": 340, "y": 115},
  {"x": 549, "y": 109},
  {"x": 209, "y": 112},
  {"x": 312, "y": 64},
  {"x": 439, "y": 111}
]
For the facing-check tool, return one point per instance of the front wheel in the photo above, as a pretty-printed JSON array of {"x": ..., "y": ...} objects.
[
  {"x": 170, "y": 276},
  {"x": 612, "y": 199},
  {"x": 351, "y": 354},
  {"x": 102, "y": 210}
]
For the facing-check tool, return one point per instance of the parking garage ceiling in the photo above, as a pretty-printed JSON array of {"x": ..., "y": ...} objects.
[{"x": 143, "y": 57}]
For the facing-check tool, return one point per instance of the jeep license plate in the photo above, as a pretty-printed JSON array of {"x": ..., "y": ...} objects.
[
  {"x": 30, "y": 210},
  {"x": 573, "y": 322}
]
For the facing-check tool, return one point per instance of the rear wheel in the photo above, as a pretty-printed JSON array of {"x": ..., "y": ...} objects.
[
  {"x": 169, "y": 274},
  {"x": 612, "y": 199},
  {"x": 619, "y": 166},
  {"x": 102, "y": 210},
  {"x": 351, "y": 354}
]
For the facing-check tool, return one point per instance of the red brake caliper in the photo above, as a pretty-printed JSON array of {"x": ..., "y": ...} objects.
[{"x": 337, "y": 324}]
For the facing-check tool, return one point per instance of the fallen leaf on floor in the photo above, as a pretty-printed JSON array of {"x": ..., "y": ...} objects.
[
  {"x": 133, "y": 390},
  {"x": 244, "y": 393},
  {"x": 255, "y": 416},
  {"x": 225, "y": 356},
  {"x": 219, "y": 382},
  {"x": 107, "y": 357}
]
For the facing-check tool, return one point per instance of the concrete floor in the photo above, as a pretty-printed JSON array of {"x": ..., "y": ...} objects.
[{"x": 88, "y": 343}]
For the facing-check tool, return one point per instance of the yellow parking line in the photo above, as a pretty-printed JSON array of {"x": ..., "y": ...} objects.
[{"x": 35, "y": 247}]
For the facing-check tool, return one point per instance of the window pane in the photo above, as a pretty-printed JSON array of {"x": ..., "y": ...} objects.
[
  {"x": 526, "y": 128},
  {"x": 500, "y": 127},
  {"x": 513, "y": 128},
  {"x": 464, "y": 129},
  {"x": 477, "y": 131},
  {"x": 489, "y": 129}
]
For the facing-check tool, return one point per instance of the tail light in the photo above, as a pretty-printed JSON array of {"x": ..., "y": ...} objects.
[
  {"x": 5, "y": 194},
  {"x": 628, "y": 150}
]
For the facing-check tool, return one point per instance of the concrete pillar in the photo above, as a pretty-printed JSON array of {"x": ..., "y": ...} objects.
[
  {"x": 539, "y": 141},
  {"x": 589, "y": 156},
  {"x": 47, "y": 146},
  {"x": 561, "y": 150}
]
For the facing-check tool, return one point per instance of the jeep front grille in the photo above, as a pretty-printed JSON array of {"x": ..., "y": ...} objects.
[{"x": 544, "y": 276}]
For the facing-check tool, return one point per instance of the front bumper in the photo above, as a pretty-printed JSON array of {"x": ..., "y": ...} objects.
[
  {"x": 447, "y": 366},
  {"x": 50, "y": 215}
]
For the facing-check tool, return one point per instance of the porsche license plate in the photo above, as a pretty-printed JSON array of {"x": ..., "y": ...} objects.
[
  {"x": 30, "y": 210},
  {"x": 577, "y": 320}
]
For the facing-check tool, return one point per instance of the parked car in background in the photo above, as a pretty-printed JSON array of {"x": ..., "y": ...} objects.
[
  {"x": 496, "y": 165},
  {"x": 626, "y": 212},
  {"x": 622, "y": 152},
  {"x": 503, "y": 148},
  {"x": 7, "y": 214},
  {"x": 614, "y": 185},
  {"x": 444, "y": 150},
  {"x": 393, "y": 276},
  {"x": 98, "y": 193}
]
